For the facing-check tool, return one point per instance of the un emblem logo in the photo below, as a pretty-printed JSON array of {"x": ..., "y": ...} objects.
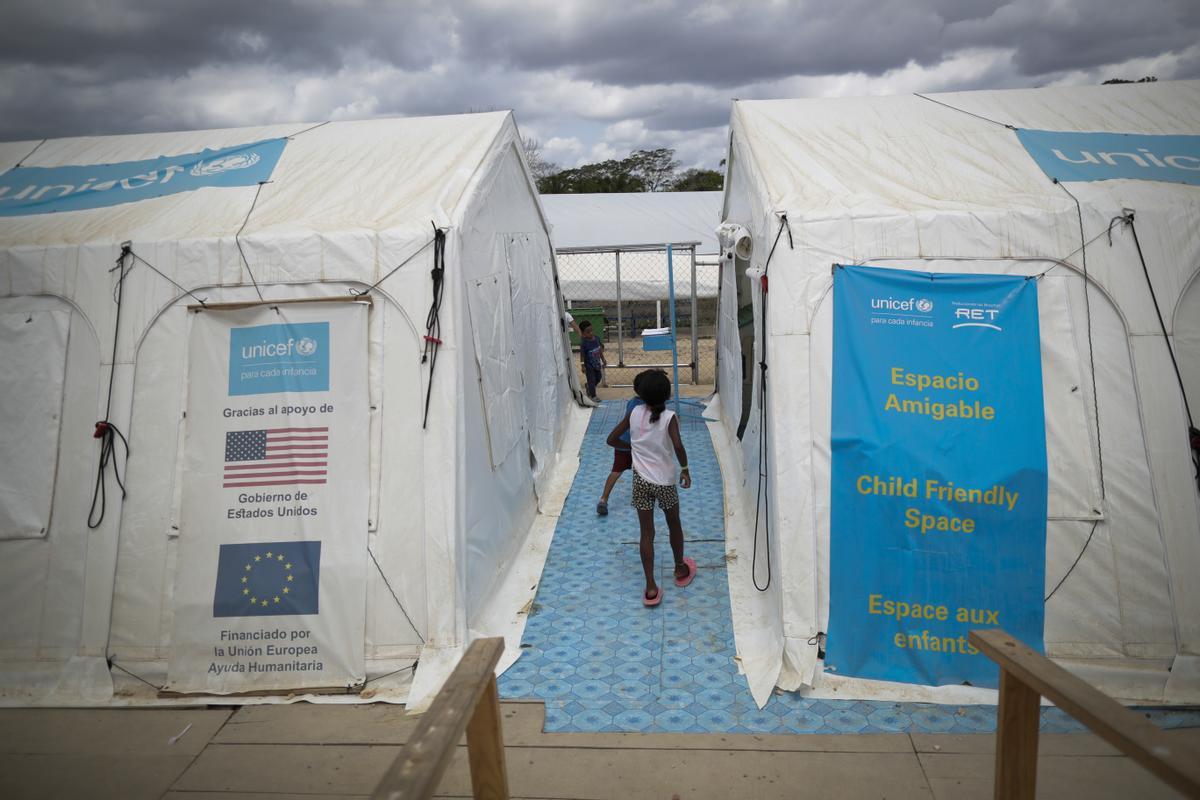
[
  {"x": 924, "y": 305},
  {"x": 306, "y": 346}
]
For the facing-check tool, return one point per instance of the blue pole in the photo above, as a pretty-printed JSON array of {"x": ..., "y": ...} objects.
[{"x": 674, "y": 338}]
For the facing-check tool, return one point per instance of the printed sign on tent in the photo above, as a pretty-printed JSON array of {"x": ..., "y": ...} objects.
[
  {"x": 50, "y": 190},
  {"x": 270, "y": 586},
  {"x": 938, "y": 517},
  {"x": 1080, "y": 156}
]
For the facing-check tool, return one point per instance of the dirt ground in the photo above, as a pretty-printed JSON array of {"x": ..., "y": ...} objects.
[{"x": 636, "y": 359}]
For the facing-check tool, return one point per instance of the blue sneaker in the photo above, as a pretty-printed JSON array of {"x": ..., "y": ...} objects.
[{"x": 602, "y": 508}]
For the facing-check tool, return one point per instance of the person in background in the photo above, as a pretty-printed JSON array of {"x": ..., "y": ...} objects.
[
  {"x": 656, "y": 446},
  {"x": 622, "y": 454},
  {"x": 570, "y": 322},
  {"x": 591, "y": 352}
]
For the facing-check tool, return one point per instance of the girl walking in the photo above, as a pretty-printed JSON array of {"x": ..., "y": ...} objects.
[{"x": 656, "y": 445}]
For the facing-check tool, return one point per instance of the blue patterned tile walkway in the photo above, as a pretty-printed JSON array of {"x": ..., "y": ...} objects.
[{"x": 603, "y": 662}]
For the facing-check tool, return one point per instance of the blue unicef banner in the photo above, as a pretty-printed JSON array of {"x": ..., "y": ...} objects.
[
  {"x": 271, "y": 586},
  {"x": 287, "y": 357},
  {"x": 938, "y": 520},
  {"x": 46, "y": 190},
  {"x": 1074, "y": 156}
]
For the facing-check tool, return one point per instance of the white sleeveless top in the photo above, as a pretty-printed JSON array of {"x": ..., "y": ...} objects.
[{"x": 653, "y": 453}]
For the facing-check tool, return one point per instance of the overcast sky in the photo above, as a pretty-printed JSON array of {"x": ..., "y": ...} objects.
[{"x": 590, "y": 80}]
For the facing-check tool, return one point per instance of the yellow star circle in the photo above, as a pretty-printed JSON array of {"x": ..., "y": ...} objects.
[{"x": 269, "y": 555}]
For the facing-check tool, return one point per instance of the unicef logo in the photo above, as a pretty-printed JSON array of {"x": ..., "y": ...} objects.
[
  {"x": 306, "y": 346},
  {"x": 225, "y": 164},
  {"x": 924, "y": 305}
]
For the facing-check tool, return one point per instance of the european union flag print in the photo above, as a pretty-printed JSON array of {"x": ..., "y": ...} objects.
[{"x": 270, "y": 579}]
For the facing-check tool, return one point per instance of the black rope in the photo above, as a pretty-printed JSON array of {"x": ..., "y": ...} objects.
[
  {"x": 395, "y": 269},
  {"x": 1193, "y": 433},
  {"x": 968, "y": 113},
  {"x": 1162, "y": 325},
  {"x": 762, "y": 502},
  {"x": 189, "y": 292},
  {"x": 433, "y": 322},
  {"x": 105, "y": 431},
  {"x": 306, "y": 130},
  {"x": 237, "y": 239},
  {"x": 1077, "y": 559},
  {"x": 411, "y": 667},
  {"x": 112, "y": 664},
  {"x": 26, "y": 157},
  {"x": 403, "y": 611}
]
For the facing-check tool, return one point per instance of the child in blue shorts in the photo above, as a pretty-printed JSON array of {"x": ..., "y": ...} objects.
[
  {"x": 622, "y": 456},
  {"x": 655, "y": 446}
]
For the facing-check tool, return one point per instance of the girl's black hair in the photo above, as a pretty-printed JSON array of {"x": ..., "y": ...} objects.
[{"x": 654, "y": 387}]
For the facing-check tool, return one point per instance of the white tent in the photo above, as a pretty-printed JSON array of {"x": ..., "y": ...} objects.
[
  {"x": 442, "y": 513},
  {"x": 943, "y": 184},
  {"x": 588, "y": 229}
]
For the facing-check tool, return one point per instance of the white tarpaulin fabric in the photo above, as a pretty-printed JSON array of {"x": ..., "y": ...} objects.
[
  {"x": 943, "y": 184},
  {"x": 33, "y": 350},
  {"x": 489, "y": 299},
  {"x": 644, "y": 275},
  {"x": 618, "y": 219},
  {"x": 270, "y": 587},
  {"x": 634, "y": 219}
]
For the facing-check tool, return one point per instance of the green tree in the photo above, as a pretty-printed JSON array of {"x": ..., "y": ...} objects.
[
  {"x": 698, "y": 180},
  {"x": 656, "y": 168},
  {"x": 538, "y": 165},
  {"x": 605, "y": 176},
  {"x": 640, "y": 171}
]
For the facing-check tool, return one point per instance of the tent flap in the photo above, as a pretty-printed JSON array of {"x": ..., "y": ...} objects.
[{"x": 33, "y": 350}]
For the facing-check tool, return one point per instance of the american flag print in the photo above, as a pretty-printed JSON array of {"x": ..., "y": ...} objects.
[{"x": 276, "y": 457}]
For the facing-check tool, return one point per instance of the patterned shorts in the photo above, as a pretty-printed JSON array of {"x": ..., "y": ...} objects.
[{"x": 645, "y": 493}]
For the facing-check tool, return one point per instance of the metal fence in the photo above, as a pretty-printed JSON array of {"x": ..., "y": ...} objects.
[{"x": 629, "y": 287}]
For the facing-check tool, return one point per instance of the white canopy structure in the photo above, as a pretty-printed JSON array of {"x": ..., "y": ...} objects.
[
  {"x": 943, "y": 184},
  {"x": 588, "y": 230},
  {"x": 453, "y": 463}
]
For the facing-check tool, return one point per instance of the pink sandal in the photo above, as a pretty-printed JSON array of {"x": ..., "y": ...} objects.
[
  {"x": 652, "y": 601},
  {"x": 691, "y": 565}
]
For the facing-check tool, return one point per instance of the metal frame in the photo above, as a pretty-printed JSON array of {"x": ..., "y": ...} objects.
[{"x": 667, "y": 247}]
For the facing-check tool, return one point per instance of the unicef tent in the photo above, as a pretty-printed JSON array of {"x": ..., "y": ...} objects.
[
  {"x": 977, "y": 318},
  {"x": 332, "y": 387}
]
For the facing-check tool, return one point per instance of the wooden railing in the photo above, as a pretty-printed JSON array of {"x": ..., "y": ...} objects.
[
  {"x": 467, "y": 702},
  {"x": 1025, "y": 677}
]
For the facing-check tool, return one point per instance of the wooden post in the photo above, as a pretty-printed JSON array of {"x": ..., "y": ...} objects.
[
  {"x": 485, "y": 747},
  {"x": 468, "y": 701},
  {"x": 1026, "y": 675},
  {"x": 1016, "y": 739}
]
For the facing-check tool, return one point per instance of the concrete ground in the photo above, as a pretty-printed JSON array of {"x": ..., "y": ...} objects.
[{"x": 316, "y": 752}]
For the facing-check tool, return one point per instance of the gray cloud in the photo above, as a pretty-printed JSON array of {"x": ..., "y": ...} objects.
[
  {"x": 1053, "y": 37},
  {"x": 665, "y": 70},
  {"x": 762, "y": 41},
  {"x": 139, "y": 38}
]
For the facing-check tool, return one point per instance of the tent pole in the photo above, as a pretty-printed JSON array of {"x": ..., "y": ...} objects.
[
  {"x": 674, "y": 333},
  {"x": 620, "y": 321},
  {"x": 695, "y": 349}
]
